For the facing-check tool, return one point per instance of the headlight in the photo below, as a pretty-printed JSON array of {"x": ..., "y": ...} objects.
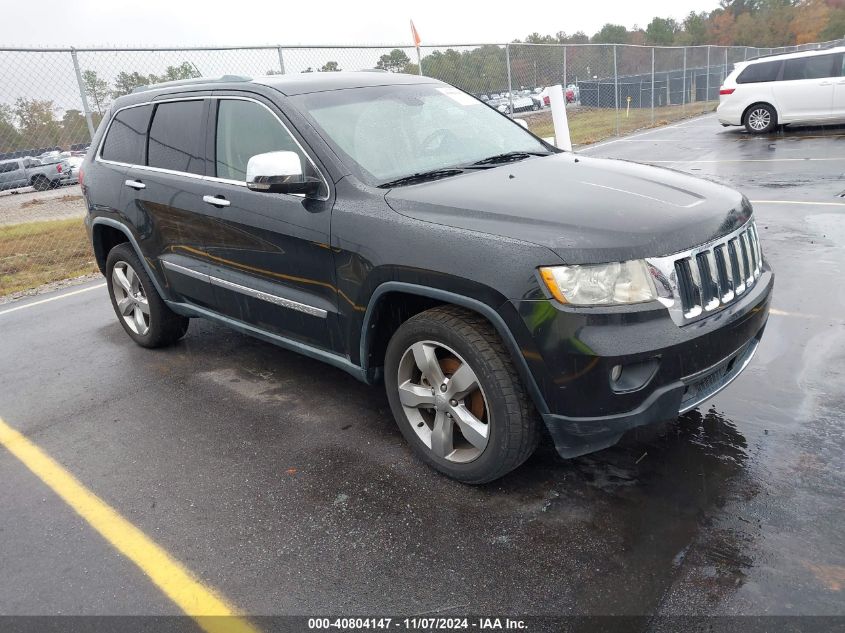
[{"x": 600, "y": 284}]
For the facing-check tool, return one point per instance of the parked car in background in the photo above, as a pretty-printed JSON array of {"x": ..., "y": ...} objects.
[
  {"x": 806, "y": 87},
  {"x": 394, "y": 227},
  {"x": 521, "y": 103},
  {"x": 573, "y": 93},
  {"x": 29, "y": 171},
  {"x": 75, "y": 162}
]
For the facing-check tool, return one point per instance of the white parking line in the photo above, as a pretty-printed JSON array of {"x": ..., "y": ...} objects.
[
  {"x": 49, "y": 299},
  {"x": 747, "y": 160},
  {"x": 809, "y": 202}
]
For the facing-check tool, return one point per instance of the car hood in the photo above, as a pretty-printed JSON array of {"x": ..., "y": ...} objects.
[{"x": 587, "y": 210}]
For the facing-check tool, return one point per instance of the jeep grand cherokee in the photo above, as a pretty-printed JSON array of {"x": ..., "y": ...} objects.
[{"x": 401, "y": 230}]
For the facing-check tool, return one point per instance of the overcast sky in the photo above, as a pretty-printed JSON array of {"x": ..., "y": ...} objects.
[{"x": 199, "y": 22}]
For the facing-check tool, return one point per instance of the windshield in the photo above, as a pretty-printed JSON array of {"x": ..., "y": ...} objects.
[{"x": 389, "y": 132}]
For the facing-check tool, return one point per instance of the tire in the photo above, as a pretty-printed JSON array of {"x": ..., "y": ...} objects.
[
  {"x": 147, "y": 320},
  {"x": 41, "y": 183},
  {"x": 761, "y": 118},
  {"x": 503, "y": 425}
]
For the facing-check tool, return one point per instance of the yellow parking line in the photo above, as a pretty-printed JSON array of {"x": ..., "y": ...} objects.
[{"x": 210, "y": 612}]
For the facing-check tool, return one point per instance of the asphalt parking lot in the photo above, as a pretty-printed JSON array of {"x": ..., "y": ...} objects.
[{"x": 284, "y": 485}]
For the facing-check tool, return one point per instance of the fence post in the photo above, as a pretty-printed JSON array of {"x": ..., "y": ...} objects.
[
  {"x": 684, "y": 84},
  {"x": 510, "y": 85},
  {"x": 707, "y": 83},
  {"x": 281, "y": 60},
  {"x": 82, "y": 94},
  {"x": 726, "y": 63},
  {"x": 652, "y": 85},
  {"x": 564, "y": 69},
  {"x": 616, "y": 89}
]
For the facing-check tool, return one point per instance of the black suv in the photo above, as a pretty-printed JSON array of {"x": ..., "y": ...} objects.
[{"x": 401, "y": 230}]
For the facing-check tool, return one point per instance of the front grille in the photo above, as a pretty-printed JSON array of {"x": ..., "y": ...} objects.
[{"x": 698, "y": 282}]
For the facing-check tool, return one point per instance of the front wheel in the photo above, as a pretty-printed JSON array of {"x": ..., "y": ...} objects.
[
  {"x": 456, "y": 396},
  {"x": 761, "y": 119}
]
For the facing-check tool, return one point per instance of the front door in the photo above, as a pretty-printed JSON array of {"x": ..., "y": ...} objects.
[{"x": 270, "y": 257}]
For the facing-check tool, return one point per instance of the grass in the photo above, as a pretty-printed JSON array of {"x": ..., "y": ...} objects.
[
  {"x": 593, "y": 125},
  {"x": 37, "y": 253}
]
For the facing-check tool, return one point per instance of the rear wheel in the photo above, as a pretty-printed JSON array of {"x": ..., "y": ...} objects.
[
  {"x": 457, "y": 397},
  {"x": 139, "y": 308},
  {"x": 41, "y": 183},
  {"x": 760, "y": 118}
]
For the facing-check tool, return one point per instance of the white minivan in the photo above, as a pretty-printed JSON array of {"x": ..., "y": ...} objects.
[{"x": 806, "y": 87}]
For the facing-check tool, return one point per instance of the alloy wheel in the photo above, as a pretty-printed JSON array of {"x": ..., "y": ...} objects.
[
  {"x": 443, "y": 401},
  {"x": 759, "y": 119},
  {"x": 130, "y": 298}
]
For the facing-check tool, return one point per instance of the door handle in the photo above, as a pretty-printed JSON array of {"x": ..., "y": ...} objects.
[
  {"x": 217, "y": 201},
  {"x": 135, "y": 184},
  {"x": 826, "y": 83}
]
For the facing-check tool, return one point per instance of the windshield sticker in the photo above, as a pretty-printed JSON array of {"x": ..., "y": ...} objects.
[{"x": 458, "y": 96}]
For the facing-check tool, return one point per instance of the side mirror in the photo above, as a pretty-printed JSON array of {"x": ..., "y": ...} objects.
[{"x": 279, "y": 172}]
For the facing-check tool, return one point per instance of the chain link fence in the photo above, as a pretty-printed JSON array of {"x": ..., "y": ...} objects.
[{"x": 51, "y": 101}]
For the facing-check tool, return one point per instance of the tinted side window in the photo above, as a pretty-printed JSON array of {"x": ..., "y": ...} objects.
[
  {"x": 815, "y": 67},
  {"x": 177, "y": 137},
  {"x": 759, "y": 72},
  {"x": 244, "y": 129},
  {"x": 127, "y": 136},
  {"x": 5, "y": 168}
]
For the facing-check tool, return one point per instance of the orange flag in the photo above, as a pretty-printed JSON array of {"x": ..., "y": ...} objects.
[{"x": 415, "y": 35}]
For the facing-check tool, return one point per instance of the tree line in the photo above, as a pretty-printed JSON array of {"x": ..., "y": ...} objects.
[
  {"x": 31, "y": 124},
  {"x": 760, "y": 23}
]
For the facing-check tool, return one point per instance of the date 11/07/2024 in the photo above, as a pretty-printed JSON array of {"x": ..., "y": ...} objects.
[{"x": 417, "y": 624}]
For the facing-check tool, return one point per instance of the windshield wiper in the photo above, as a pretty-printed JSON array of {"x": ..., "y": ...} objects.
[
  {"x": 421, "y": 176},
  {"x": 507, "y": 157}
]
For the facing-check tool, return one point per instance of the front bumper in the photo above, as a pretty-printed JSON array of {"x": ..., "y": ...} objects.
[{"x": 679, "y": 367}]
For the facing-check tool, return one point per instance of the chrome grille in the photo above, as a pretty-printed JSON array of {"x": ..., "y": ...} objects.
[{"x": 697, "y": 283}]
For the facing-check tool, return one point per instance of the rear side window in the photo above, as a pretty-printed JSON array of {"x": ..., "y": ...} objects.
[
  {"x": 244, "y": 129},
  {"x": 760, "y": 72},
  {"x": 5, "y": 168},
  {"x": 813, "y": 67},
  {"x": 127, "y": 136},
  {"x": 177, "y": 137}
]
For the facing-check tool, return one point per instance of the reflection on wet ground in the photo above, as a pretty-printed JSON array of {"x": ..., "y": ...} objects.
[{"x": 774, "y": 543}]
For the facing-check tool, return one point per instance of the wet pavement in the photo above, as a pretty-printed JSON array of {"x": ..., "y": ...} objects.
[{"x": 284, "y": 483}]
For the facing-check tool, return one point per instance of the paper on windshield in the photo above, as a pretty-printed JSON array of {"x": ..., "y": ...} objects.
[{"x": 459, "y": 97}]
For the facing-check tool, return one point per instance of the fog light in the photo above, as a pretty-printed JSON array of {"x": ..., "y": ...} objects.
[{"x": 615, "y": 373}]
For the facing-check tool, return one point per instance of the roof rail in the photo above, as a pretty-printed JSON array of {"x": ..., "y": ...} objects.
[
  {"x": 194, "y": 81},
  {"x": 826, "y": 47}
]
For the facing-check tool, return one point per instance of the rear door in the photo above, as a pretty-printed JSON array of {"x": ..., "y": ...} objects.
[
  {"x": 271, "y": 261},
  {"x": 805, "y": 91},
  {"x": 162, "y": 197}
]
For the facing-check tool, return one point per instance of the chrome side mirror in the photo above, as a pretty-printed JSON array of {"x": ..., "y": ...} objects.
[{"x": 279, "y": 172}]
